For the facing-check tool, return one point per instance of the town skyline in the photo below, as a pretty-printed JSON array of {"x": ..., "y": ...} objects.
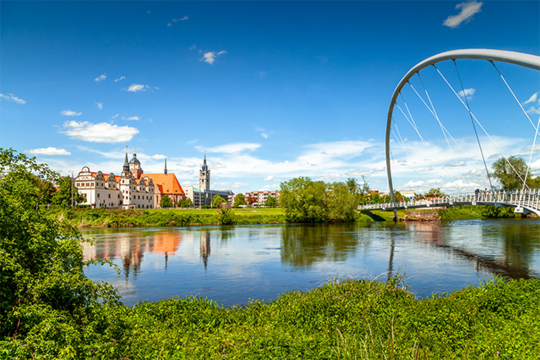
[{"x": 270, "y": 91}]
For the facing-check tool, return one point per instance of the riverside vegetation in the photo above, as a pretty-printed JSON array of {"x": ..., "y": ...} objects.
[{"x": 49, "y": 309}]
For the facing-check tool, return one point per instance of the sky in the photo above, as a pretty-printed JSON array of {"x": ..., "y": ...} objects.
[{"x": 269, "y": 90}]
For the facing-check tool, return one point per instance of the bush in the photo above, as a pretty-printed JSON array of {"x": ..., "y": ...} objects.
[{"x": 227, "y": 217}]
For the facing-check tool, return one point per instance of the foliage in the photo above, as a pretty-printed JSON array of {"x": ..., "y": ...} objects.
[
  {"x": 63, "y": 196},
  {"x": 360, "y": 190},
  {"x": 46, "y": 301},
  {"x": 305, "y": 200},
  {"x": 435, "y": 192},
  {"x": 217, "y": 201},
  {"x": 185, "y": 203},
  {"x": 475, "y": 212},
  {"x": 226, "y": 216},
  {"x": 350, "y": 319},
  {"x": 498, "y": 212},
  {"x": 166, "y": 202},
  {"x": 46, "y": 191},
  {"x": 271, "y": 202},
  {"x": 502, "y": 171},
  {"x": 239, "y": 200},
  {"x": 534, "y": 182}
]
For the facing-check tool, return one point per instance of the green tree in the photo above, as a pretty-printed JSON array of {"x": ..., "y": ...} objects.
[
  {"x": 502, "y": 171},
  {"x": 239, "y": 200},
  {"x": 535, "y": 183},
  {"x": 46, "y": 191},
  {"x": 271, "y": 202},
  {"x": 62, "y": 197},
  {"x": 435, "y": 192},
  {"x": 166, "y": 202},
  {"x": 45, "y": 297},
  {"x": 305, "y": 200},
  {"x": 188, "y": 203},
  {"x": 217, "y": 201}
]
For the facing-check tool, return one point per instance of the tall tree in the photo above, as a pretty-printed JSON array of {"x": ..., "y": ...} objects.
[
  {"x": 271, "y": 202},
  {"x": 435, "y": 192},
  {"x": 62, "y": 197},
  {"x": 504, "y": 174},
  {"x": 217, "y": 201},
  {"x": 166, "y": 202},
  {"x": 239, "y": 200}
]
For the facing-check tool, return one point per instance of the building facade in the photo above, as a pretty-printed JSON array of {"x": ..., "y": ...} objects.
[
  {"x": 262, "y": 196},
  {"x": 131, "y": 190}
]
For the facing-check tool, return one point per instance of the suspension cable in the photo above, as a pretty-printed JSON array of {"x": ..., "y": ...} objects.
[
  {"x": 474, "y": 125},
  {"x": 478, "y": 122},
  {"x": 530, "y": 157},
  {"x": 508, "y": 86},
  {"x": 434, "y": 112}
]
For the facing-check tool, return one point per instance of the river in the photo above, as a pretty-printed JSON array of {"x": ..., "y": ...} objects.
[{"x": 233, "y": 264}]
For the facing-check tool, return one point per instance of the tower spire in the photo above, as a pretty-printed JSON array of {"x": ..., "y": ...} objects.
[
  {"x": 205, "y": 156},
  {"x": 165, "y": 172},
  {"x": 126, "y": 164}
]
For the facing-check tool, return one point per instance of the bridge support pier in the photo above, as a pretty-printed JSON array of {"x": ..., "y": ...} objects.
[{"x": 395, "y": 216}]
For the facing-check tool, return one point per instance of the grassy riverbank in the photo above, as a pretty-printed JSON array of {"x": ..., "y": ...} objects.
[
  {"x": 477, "y": 212},
  {"x": 340, "y": 320},
  {"x": 85, "y": 217}
]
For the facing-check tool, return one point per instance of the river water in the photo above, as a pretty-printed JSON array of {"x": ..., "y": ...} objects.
[{"x": 233, "y": 264}]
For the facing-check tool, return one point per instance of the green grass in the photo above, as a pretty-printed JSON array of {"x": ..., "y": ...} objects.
[
  {"x": 240, "y": 212},
  {"x": 340, "y": 320}
]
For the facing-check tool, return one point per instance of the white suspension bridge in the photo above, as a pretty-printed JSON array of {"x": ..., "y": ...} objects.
[{"x": 524, "y": 200}]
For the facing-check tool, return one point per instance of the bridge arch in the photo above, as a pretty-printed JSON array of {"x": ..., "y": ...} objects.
[{"x": 512, "y": 57}]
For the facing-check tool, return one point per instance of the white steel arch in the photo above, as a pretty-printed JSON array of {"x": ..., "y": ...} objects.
[{"x": 512, "y": 57}]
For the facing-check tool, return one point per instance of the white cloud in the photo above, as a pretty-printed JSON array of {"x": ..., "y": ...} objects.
[
  {"x": 100, "y": 78},
  {"x": 467, "y": 92},
  {"x": 424, "y": 169},
  {"x": 70, "y": 113},
  {"x": 235, "y": 148},
  {"x": 459, "y": 163},
  {"x": 158, "y": 157},
  {"x": 232, "y": 185},
  {"x": 131, "y": 118},
  {"x": 101, "y": 132},
  {"x": 48, "y": 151},
  {"x": 468, "y": 9},
  {"x": 137, "y": 87},
  {"x": 264, "y": 135},
  {"x": 192, "y": 142},
  {"x": 148, "y": 12},
  {"x": 330, "y": 177},
  {"x": 532, "y": 99},
  {"x": 271, "y": 178},
  {"x": 182, "y": 19},
  {"x": 263, "y": 74},
  {"x": 210, "y": 56},
  {"x": 120, "y": 78},
  {"x": 12, "y": 97},
  {"x": 533, "y": 110},
  {"x": 193, "y": 47},
  {"x": 99, "y": 105},
  {"x": 169, "y": 24},
  {"x": 115, "y": 116}
]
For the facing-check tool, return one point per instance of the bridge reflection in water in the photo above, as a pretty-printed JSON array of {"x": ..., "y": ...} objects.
[{"x": 233, "y": 264}]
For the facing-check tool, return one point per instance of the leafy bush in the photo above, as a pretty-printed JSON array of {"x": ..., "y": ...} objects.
[{"x": 227, "y": 217}]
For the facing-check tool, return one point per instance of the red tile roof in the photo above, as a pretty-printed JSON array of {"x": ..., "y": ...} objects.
[{"x": 167, "y": 184}]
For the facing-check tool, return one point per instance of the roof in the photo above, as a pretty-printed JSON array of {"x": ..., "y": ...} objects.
[{"x": 167, "y": 184}]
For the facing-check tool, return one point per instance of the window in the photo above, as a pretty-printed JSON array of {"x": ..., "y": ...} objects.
[
  {"x": 109, "y": 196},
  {"x": 98, "y": 195}
]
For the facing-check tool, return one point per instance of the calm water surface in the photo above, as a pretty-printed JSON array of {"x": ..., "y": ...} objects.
[{"x": 234, "y": 264}]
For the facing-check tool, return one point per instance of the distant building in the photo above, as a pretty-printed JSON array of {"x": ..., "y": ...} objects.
[
  {"x": 408, "y": 193},
  {"x": 203, "y": 195},
  {"x": 262, "y": 196},
  {"x": 132, "y": 190}
]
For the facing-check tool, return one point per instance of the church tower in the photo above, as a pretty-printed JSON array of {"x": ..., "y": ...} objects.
[
  {"x": 135, "y": 167},
  {"x": 204, "y": 176}
]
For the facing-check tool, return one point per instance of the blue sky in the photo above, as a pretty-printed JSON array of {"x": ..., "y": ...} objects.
[{"x": 271, "y": 90}]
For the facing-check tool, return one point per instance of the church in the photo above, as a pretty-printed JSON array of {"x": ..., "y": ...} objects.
[{"x": 133, "y": 189}]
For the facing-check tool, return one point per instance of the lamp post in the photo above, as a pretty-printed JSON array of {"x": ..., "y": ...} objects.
[{"x": 71, "y": 171}]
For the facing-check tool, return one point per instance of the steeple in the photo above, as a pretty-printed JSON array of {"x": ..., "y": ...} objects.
[
  {"x": 204, "y": 157},
  {"x": 126, "y": 164},
  {"x": 165, "y": 172}
]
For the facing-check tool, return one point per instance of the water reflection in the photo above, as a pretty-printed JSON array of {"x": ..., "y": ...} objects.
[
  {"x": 305, "y": 245},
  {"x": 232, "y": 264}
]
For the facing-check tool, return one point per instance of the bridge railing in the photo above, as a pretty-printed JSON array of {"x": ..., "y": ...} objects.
[{"x": 516, "y": 198}]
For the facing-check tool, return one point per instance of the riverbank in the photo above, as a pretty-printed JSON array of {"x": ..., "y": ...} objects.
[
  {"x": 340, "y": 320},
  {"x": 102, "y": 218}
]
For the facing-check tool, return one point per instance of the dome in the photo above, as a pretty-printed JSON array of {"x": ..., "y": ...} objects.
[{"x": 134, "y": 160}]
